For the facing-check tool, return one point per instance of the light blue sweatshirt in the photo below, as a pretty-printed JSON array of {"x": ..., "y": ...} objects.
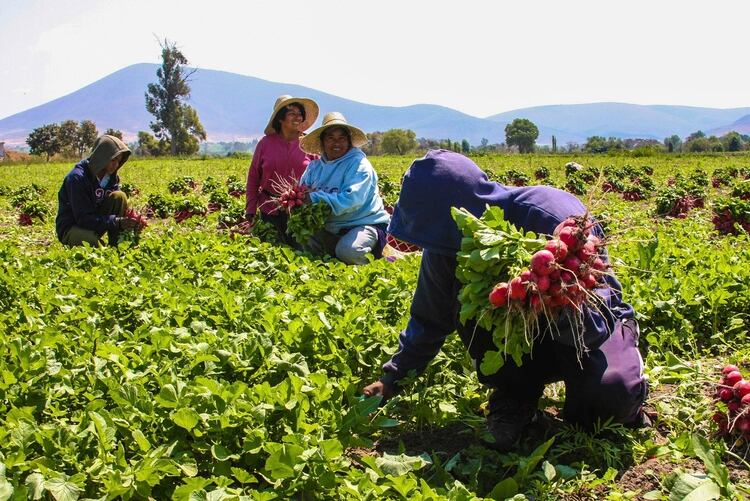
[{"x": 349, "y": 185}]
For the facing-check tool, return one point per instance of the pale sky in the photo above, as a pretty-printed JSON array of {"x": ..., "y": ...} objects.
[{"x": 479, "y": 57}]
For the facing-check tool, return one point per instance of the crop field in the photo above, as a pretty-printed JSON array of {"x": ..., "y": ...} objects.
[{"x": 203, "y": 364}]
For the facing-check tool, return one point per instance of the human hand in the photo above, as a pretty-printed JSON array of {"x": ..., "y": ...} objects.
[{"x": 379, "y": 388}]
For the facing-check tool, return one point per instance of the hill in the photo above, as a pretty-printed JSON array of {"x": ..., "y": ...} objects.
[
  {"x": 236, "y": 107},
  {"x": 741, "y": 125}
]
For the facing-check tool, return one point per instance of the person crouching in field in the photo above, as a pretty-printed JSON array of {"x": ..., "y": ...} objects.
[
  {"x": 90, "y": 200},
  {"x": 608, "y": 380},
  {"x": 344, "y": 179}
]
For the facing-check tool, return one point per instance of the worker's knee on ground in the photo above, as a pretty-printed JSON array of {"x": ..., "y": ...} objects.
[{"x": 351, "y": 254}]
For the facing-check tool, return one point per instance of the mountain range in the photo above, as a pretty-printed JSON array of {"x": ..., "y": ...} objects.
[{"x": 237, "y": 107}]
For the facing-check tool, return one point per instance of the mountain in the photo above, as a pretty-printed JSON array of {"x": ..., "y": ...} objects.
[
  {"x": 234, "y": 107},
  {"x": 741, "y": 125},
  {"x": 237, "y": 107}
]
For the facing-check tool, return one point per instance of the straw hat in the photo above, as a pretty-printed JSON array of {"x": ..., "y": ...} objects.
[
  {"x": 310, "y": 106},
  {"x": 311, "y": 142}
]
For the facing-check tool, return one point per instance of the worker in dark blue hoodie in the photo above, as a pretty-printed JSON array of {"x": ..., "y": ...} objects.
[
  {"x": 607, "y": 381},
  {"x": 90, "y": 202}
]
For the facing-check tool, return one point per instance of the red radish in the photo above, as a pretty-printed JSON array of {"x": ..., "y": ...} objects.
[
  {"x": 598, "y": 264},
  {"x": 555, "y": 275},
  {"x": 729, "y": 368},
  {"x": 24, "y": 219},
  {"x": 743, "y": 424},
  {"x": 536, "y": 302},
  {"x": 569, "y": 237},
  {"x": 499, "y": 295},
  {"x": 587, "y": 252},
  {"x": 745, "y": 400},
  {"x": 572, "y": 264},
  {"x": 525, "y": 276},
  {"x": 560, "y": 300},
  {"x": 733, "y": 405},
  {"x": 725, "y": 394},
  {"x": 558, "y": 249},
  {"x": 741, "y": 388},
  {"x": 542, "y": 262},
  {"x": 542, "y": 283},
  {"x": 567, "y": 223},
  {"x": 589, "y": 280},
  {"x": 517, "y": 289},
  {"x": 733, "y": 378},
  {"x": 567, "y": 277},
  {"x": 555, "y": 289}
]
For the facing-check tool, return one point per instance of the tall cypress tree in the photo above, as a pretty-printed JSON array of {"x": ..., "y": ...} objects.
[{"x": 176, "y": 122}]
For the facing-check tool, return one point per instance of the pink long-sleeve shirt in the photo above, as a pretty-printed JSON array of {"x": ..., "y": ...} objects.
[{"x": 275, "y": 159}]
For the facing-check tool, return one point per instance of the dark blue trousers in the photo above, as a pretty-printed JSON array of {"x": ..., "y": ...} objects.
[{"x": 607, "y": 382}]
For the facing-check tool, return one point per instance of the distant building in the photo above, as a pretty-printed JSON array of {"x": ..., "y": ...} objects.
[{"x": 2, "y": 151}]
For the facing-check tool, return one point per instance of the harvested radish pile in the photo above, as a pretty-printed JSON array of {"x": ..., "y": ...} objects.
[
  {"x": 517, "y": 285},
  {"x": 733, "y": 404}
]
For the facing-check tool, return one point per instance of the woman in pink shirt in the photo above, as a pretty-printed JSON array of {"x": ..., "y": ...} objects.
[{"x": 279, "y": 159}]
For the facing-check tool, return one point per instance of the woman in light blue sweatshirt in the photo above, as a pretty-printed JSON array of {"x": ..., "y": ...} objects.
[{"x": 344, "y": 179}]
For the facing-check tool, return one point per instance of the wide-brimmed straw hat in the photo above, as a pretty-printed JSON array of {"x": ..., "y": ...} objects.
[
  {"x": 310, "y": 106},
  {"x": 311, "y": 142}
]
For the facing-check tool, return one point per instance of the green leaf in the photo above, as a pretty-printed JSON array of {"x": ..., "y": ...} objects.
[
  {"x": 35, "y": 482},
  {"x": 221, "y": 453},
  {"x": 331, "y": 448},
  {"x": 62, "y": 490},
  {"x": 715, "y": 468},
  {"x": 191, "y": 485},
  {"x": 360, "y": 412},
  {"x": 104, "y": 431},
  {"x": 504, "y": 489},
  {"x": 6, "y": 489},
  {"x": 549, "y": 471},
  {"x": 186, "y": 418},
  {"x": 401, "y": 464},
  {"x": 243, "y": 476},
  {"x": 686, "y": 487},
  {"x": 141, "y": 440},
  {"x": 384, "y": 422},
  {"x": 491, "y": 362},
  {"x": 527, "y": 465},
  {"x": 283, "y": 460}
]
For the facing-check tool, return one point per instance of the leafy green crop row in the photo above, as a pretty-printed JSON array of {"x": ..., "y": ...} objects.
[{"x": 200, "y": 365}]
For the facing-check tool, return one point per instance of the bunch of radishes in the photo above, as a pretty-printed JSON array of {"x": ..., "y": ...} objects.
[
  {"x": 561, "y": 274},
  {"x": 734, "y": 391},
  {"x": 140, "y": 220},
  {"x": 293, "y": 197},
  {"x": 133, "y": 234}
]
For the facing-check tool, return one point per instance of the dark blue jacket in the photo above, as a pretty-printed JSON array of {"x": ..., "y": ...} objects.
[
  {"x": 431, "y": 186},
  {"x": 79, "y": 199}
]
